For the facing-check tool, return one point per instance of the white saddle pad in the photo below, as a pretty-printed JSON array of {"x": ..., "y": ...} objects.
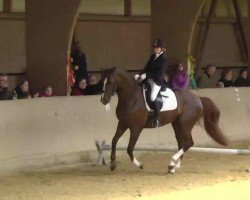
[{"x": 169, "y": 100}]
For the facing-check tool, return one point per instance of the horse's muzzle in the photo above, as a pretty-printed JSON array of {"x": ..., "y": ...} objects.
[{"x": 104, "y": 101}]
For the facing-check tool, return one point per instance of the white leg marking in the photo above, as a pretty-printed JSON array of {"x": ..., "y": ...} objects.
[
  {"x": 178, "y": 164},
  {"x": 172, "y": 171},
  {"x": 136, "y": 162},
  {"x": 176, "y": 161},
  {"x": 172, "y": 163},
  {"x": 178, "y": 155}
]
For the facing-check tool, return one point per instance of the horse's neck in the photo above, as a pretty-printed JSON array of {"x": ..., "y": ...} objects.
[{"x": 127, "y": 92}]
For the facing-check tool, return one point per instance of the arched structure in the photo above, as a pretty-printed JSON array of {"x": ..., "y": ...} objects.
[{"x": 49, "y": 30}]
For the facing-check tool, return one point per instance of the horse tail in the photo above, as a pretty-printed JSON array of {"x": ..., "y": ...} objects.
[{"x": 211, "y": 115}]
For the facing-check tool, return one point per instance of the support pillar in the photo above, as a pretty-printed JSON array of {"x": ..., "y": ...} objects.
[{"x": 49, "y": 31}]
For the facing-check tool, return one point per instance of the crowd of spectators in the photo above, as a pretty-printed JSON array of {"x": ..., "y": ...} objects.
[
  {"x": 207, "y": 79},
  {"x": 83, "y": 83}
]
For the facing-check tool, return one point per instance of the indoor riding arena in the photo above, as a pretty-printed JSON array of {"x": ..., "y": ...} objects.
[{"x": 66, "y": 70}]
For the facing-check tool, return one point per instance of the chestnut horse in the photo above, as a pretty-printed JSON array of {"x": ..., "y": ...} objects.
[{"x": 132, "y": 114}]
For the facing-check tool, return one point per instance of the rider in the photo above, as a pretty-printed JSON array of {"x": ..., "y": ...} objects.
[{"x": 155, "y": 71}]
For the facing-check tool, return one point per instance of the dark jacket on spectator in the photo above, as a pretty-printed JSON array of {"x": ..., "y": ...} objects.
[
  {"x": 79, "y": 59},
  {"x": 17, "y": 93},
  {"x": 76, "y": 91},
  {"x": 94, "y": 89},
  {"x": 205, "y": 81},
  {"x": 227, "y": 83},
  {"x": 241, "y": 82},
  {"x": 4, "y": 94},
  {"x": 43, "y": 94},
  {"x": 156, "y": 69}
]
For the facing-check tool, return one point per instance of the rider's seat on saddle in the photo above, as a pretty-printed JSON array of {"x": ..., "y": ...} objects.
[{"x": 166, "y": 98}]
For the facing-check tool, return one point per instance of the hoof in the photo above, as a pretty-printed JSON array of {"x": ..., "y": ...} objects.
[
  {"x": 171, "y": 169},
  {"x": 112, "y": 166},
  {"x": 141, "y": 167},
  {"x": 171, "y": 172}
]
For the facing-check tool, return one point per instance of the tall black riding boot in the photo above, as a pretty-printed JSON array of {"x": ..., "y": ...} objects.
[{"x": 156, "y": 119}]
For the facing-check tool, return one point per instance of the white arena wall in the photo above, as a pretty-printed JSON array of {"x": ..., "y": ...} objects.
[{"x": 39, "y": 133}]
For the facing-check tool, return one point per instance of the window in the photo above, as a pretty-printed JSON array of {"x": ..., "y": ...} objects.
[
  {"x": 141, "y": 7},
  {"x": 225, "y": 8},
  {"x": 18, "y": 6},
  {"x": 1, "y": 5},
  {"x": 109, "y": 7},
  {"x": 244, "y": 7}
]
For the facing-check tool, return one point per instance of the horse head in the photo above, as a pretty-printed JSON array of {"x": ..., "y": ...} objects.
[{"x": 110, "y": 84}]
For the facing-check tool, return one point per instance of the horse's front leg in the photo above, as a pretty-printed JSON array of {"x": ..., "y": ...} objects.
[
  {"x": 134, "y": 135},
  {"x": 121, "y": 128}
]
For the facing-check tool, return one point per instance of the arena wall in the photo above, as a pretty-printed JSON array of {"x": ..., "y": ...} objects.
[{"x": 44, "y": 132}]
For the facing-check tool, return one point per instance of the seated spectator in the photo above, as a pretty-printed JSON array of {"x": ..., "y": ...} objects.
[
  {"x": 34, "y": 93},
  {"x": 226, "y": 79},
  {"x": 180, "y": 79},
  {"x": 4, "y": 93},
  {"x": 79, "y": 89},
  {"x": 242, "y": 80},
  {"x": 48, "y": 92},
  {"x": 94, "y": 87},
  {"x": 205, "y": 80},
  {"x": 22, "y": 91}
]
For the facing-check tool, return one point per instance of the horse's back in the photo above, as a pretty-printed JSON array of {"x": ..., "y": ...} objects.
[{"x": 187, "y": 99}]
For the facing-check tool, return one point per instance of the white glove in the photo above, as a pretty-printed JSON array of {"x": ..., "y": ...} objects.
[
  {"x": 143, "y": 76},
  {"x": 137, "y": 76}
]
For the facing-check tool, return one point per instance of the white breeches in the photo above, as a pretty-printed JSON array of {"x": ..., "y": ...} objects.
[{"x": 154, "y": 89}]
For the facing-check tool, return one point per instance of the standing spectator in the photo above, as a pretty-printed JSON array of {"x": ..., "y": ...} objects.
[
  {"x": 4, "y": 93},
  {"x": 205, "y": 80},
  {"x": 226, "y": 79},
  {"x": 94, "y": 87},
  {"x": 180, "y": 78},
  {"x": 79, "y": 89},
  {"x": 79, "y": 62},
  {"x": 48, "y": 92},
  {"x": 242, "y": 80},
  {"x": 22, "y": 91}
]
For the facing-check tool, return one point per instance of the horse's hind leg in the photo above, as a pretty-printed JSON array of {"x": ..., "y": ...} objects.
[
  {"x": 134, "y": 135},
  {"x": 184, "y": 140},
  {"x": 121, "y": 128}
]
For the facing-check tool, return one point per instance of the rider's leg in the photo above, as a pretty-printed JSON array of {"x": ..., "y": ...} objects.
[
  {"x": 154, "y": 92},
  {"x": 156, "y": 114}
]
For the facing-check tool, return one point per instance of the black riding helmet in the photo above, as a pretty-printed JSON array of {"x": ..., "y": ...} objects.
[{"x": 158, "y": 43}]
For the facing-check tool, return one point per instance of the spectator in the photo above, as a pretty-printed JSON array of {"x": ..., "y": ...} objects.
[
  {"x": 226, "y": 79},
  {"x": 4, "y": 93},
  {"x": 35, "y": 94},
  {"x": 48, "y": 92},
  {"x": 180, "y": 78},
  {"x": 242, "y": 80},
  {"x": 205, "y": 80},
  {"x": 92, "y": 79},
  {"x": 79, "y": 63},
  {"x": 79, "y": 89},
  {"x": 22, "y": 91},
  {"x": 94, "y": 87}
]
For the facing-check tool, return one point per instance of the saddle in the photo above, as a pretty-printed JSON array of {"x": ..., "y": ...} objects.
[{"x": 166, "y": 98}]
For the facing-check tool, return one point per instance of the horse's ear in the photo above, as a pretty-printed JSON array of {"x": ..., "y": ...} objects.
[
  {"x": 109, "y": 71},
  {"x": 102, "y": 71},
  {"x": 112, "y": 69}
]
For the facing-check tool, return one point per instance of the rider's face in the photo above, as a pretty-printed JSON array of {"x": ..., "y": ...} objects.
[{"x": 157, "y": 50}]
